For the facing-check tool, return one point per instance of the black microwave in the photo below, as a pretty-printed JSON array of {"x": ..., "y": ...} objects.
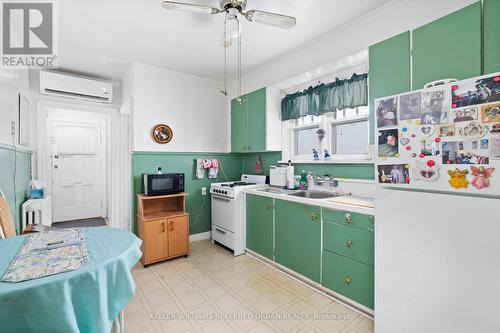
[{"x": 162, "y": 184}]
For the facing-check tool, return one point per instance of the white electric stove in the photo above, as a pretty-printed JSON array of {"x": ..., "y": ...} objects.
[{"x": 228, "y": 214}]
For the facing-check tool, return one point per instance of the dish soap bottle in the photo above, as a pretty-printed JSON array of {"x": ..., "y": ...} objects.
[{"x": 303, "y": 180}]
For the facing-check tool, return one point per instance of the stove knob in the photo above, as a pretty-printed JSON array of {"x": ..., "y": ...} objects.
[{"x": 225, "y": 192}]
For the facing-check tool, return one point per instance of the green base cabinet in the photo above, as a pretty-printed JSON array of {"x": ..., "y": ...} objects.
[
  {"x": 449, "y": 47},
  {"x": 348, "y": 277},
  {"x": 349, "y": 242},
  {"x": 298, "y": 238},
  {"x": 259, "y": 225}
]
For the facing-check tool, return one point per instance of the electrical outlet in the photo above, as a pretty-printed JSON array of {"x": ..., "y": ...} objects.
[
  {"x": 12, "y": 127},
  {"x": 203, "y": 191}
]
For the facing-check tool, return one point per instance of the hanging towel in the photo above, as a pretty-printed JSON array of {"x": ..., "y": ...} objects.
[
  {"x": 213, "y": 171},
  {"x": 200, "y": 170}
]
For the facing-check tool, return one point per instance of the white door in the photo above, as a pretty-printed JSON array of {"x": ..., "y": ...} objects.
[{"x": 77, "y": 170}]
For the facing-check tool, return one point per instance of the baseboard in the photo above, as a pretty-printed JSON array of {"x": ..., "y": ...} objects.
[{"x": 200, "y": 236}]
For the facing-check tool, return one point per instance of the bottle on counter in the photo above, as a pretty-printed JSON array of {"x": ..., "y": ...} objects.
[{"x": 303, "y": 180}]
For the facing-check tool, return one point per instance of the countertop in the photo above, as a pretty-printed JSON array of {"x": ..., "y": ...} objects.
[{"x": 351, "y": 203}]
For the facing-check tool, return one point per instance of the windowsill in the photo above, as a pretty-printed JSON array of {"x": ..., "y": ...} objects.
[{"x": 332, "y": 161}]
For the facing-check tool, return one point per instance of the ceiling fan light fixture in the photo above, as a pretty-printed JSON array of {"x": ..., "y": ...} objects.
[
  {"x": 187, "y": 7},
  {"x": 233, "y": 29},
  {"x": 277, "y": 20}
]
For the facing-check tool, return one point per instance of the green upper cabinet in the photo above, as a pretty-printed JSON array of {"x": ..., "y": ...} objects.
[
  {"x": 238, "y": 126},
  {"x": 491, "y": 36},
  {"x": 449, "y": 47},
  {"x": 256, "y": 122},
  {"x": 259, "y": 225},
  {"x": 389, "y": 70},
  {"x": 298, "y": 238}
]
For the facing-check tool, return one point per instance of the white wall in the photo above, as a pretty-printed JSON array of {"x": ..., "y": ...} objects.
[
  {"x": 387, "y": 21},
  {"x": 192, "y": 106}
]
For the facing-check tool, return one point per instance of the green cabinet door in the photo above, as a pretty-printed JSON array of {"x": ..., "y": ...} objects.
[
  {"x": 491, "y": 36},
  {"x": 256, "y": 121},
  {"x": 259, "y": 225},
  {"x": 350, "y": 278},
  {"x": 238, "y": 126},
  {"x": 449, "y": 47},
  {"x": 298, "y": 238},
  {"x": 389, "y": 70}
]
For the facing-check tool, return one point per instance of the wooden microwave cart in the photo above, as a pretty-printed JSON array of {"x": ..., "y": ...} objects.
[{"x": 163, "y": 227}]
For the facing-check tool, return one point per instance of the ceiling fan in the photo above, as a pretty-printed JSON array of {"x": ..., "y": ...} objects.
[{"x": 233, "y": 7}]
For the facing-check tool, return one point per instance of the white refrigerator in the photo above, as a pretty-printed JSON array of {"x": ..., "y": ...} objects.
[{"x": 437, "y": 209}]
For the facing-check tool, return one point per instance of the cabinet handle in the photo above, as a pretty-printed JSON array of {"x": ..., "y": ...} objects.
[
  {"x": 171, "y": 226},
  {"x": 163, "y": 226},
  {"x": 314, "y": 216},
  {"x": 221, "y": 231},
  {"x": 348, "y": 218},
  {"x": 348, "y": 243},
  {"x": 348, "y": 279},
  {"x": 269, "y": 206}
]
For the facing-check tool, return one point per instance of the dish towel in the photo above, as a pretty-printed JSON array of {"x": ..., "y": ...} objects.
[
  {"x": 213, "y": 168},
  {"x": 200, "y": 169}
]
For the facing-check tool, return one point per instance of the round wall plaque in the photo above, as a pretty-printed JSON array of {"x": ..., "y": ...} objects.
[{"x": 162, "y": 134}]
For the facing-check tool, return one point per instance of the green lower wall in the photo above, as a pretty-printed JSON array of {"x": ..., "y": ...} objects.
[
  {"x": 357, "y": 171},
  {"x": 147, "y": 162},
  {"x": 15, "y": 195}
]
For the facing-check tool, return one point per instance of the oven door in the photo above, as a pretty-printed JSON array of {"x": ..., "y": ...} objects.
[{"x": 224, "y": 212}]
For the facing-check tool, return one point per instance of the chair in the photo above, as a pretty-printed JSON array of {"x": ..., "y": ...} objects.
[{"x": 7, "y": 228}]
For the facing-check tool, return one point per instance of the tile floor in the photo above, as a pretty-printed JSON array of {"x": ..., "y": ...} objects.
[{"x": 213, "y": 291}]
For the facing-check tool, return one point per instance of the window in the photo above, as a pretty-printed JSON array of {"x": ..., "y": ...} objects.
[{"x": 346, "y": 135}]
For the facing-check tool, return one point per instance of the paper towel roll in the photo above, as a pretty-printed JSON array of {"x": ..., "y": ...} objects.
[{"x": 290, "y": 177}]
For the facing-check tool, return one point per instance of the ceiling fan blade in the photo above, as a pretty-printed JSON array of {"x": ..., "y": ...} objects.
[
  {"x": 277, "y": 20},
  {"x": 189, "y": 7}
]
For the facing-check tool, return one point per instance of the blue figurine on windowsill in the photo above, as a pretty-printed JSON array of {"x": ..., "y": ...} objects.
[
  {"x": 327, "y": 155},
  {"x": 315, "y": 155}
]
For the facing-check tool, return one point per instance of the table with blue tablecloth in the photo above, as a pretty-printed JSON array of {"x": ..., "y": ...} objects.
[{"x": 88, "y": 299}]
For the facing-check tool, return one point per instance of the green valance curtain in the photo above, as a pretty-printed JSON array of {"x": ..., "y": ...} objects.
[{"x": 337, "y": 95}]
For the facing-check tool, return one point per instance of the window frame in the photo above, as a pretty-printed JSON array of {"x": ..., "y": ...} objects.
[{"x": 327, "y": 122}]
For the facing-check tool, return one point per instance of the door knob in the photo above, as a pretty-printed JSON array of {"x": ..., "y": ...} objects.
[
  {"x": 56, "y": 157},
  {"x": 56, "y": 166}
]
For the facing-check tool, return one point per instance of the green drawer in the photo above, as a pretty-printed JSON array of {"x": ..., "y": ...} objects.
[
  {"x": 347, "y": 218},
  {"x": 350, "y": 278},
  {"x": 350, "y": 242}
]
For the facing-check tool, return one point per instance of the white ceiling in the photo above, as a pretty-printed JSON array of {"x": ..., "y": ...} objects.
[{"x": 103, "y": 37}]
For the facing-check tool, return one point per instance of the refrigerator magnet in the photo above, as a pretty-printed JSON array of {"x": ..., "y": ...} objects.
[
  {"x": 425, "y": 171},
  {"x": 394, "y": 174},
  {"x": 481, "y": 176},
  {"x": 428, "y": 130},
  {"x": 473, "y": 130},
  {"x": 457, "y": 178},
  {"x": 490, "y": 113}
]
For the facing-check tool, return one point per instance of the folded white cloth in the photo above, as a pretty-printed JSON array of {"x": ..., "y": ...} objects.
[{"x": 200, "y": 170}]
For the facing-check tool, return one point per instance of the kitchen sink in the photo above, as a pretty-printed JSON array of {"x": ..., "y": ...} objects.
[
  {"x": 275, "y": 190},
  {"x": 314, "y": 194}
]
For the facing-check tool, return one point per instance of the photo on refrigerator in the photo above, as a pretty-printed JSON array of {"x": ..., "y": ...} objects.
[
  {"x": 490, "y": 113},
  {"x": 434, "y": 109},
  {"x": 394, "y": 174},
  {"x": 464, "y": 114},
  {"x": 388, "y": 143},
  {"x": 475, "y": 91},
  {"x": 409, "y": 106},
  {"x": 466, "y": 152},
  {"x": 386, "y": 112}
]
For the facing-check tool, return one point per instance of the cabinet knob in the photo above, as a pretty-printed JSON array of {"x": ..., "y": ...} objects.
[
  {"x": 348, "y": 279},
  {"x": 348, "y": 243},
  {"x": 348, "y": 218},
  {"x": 314, "y": 216}
]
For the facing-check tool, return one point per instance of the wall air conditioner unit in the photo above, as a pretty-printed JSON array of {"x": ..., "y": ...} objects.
[{"x": 71, "y": 86}]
